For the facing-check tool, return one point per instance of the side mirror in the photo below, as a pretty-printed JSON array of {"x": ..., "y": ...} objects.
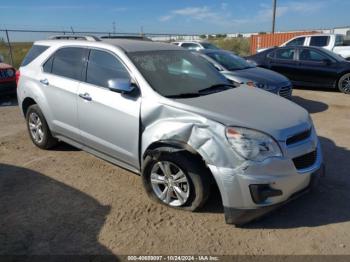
[
  {"x": 327, "y": 61},
  {"x": 120, "y": 85}
]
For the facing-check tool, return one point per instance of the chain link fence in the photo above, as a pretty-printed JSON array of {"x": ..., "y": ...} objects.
[{"x": 14, "y": 44}]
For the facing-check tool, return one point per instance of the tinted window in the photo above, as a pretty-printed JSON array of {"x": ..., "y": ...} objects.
[
  {"x": 190, "y": 46},
  {"x": 310, "y": 55},
  {"x": 229, "y": 60},
  {"x": 103, "y": 67},
  {"x": 33, "y": 53},
  {"x": 285, "y": 54},
  {"x": 209, "y": 46},
  {"x": 339, "y": 40},
  {"x": 69, "y": 62},
  {"x": 319, "y": 41},
  {"x": 296, "y": 41},
  {"x": 47, "y": 67}
]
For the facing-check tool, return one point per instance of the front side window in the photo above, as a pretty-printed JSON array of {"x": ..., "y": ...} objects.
[
  {"x": 69, "y": 62},
  {"x": 310, "y": 55},
  {"x": 296, "y": 41},
  {"x": 285, "y": 54},
  {"x": 229, "y": 61},
  {"x": 190, "y": 46},
  {"x": 173, "y": 73},
  {"x": 319, "y": 41},
  {"x": 339, "y": 40},
  {"x": 103, "y": 67}
]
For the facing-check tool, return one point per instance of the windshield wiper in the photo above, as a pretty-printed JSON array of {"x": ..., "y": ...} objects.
[
  {"x": 184, "y": 95},
  {"x": 216, "y": 88}
]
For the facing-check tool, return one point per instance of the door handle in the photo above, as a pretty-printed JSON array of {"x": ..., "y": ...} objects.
[
  {"x": 85, "y": 96},
  {"x": 44, "y": 82}
]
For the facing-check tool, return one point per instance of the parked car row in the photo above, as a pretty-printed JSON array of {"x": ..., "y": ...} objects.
[{"x": 169, "y": 115}]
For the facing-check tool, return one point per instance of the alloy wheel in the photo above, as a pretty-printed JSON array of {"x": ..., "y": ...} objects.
[
  {"x": 36, "y": 127},
  {"x": 170, "y": 183}
]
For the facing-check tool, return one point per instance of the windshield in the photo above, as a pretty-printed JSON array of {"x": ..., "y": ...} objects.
[
  {"x": 230, "y": 61},
  {"x": 337, "y": 57},
  {"x": 209, "y": 46},
  {"x": 176, "y": 72}
]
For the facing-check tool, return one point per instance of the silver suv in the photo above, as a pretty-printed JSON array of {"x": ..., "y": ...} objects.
[{"x": 160, "y": 111}]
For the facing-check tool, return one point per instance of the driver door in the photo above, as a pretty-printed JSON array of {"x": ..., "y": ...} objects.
[{"x": 109, "y": 121}]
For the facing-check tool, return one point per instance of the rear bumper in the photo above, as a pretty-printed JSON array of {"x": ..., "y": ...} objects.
[
  {"x": 244, "y": 216},
  {"x": 8, "y": 88}
]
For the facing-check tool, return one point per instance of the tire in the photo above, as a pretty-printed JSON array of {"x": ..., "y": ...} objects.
[
  {"x": 197, "y": 178},
  {"x": 344, "y": 83},
  {"x": 38, "y": 129}
]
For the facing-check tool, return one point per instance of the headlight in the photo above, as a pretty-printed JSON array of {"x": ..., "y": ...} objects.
[
  {"x": 251, "y": 144},
  {"x": 258, "y": 85},
  {"x": 10, "y": 72}
]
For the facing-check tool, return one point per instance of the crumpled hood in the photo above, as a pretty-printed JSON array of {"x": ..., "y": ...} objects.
[
  {"x": 258, "y": 74},
  {"x": 252, "y": 108}
]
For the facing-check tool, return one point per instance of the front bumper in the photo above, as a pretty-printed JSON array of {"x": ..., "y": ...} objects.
[
  {"x": 243, "y": 216},
  {"x": 280, "y": 175},
  {"x": 8, "y": 88}
]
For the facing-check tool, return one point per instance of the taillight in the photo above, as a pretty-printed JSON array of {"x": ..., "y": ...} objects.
[{"x": 18, "y": 74}]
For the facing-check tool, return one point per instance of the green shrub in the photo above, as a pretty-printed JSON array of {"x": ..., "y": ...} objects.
[{"x": 239, "y": 45}]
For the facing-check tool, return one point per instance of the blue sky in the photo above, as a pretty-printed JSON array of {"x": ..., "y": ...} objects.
[{"x": 174, "y": 16}]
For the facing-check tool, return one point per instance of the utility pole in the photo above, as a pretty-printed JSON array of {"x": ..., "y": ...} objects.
[
  {"x": 274, "y": 16},
  {"x": 141, "y": 30},
  {"x": 114, "y": 28}
]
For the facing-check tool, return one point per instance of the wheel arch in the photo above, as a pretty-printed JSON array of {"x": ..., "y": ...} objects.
[
  {"x": 169, "y": 146},
  {"x": 27, "y": 102}
]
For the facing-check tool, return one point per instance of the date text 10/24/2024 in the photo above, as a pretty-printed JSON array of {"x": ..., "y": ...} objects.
[{"x": 173, "y": 258}]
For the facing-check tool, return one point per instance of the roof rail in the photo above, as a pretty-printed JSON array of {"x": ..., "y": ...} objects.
[{"x": 75, "y": 37}]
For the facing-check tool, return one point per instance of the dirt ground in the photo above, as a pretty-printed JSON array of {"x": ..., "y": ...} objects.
[{"x": 65, "y": 201}]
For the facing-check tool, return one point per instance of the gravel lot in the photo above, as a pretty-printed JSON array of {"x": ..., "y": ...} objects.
[{"x": 65, "y": 201}]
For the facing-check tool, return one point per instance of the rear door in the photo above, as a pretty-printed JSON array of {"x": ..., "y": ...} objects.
[
  {"x": 60, "y": 79},
  {"x": 283, "y": 60},
  {"x": 109, "y": 121},
  {"x": 314, "y": 70}
]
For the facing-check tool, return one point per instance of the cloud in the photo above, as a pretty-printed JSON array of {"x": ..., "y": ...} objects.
[
  {"x": 221, "y": 16},
  {"x": 290, "y": 8},
  {"x": 218, "y": 16}
]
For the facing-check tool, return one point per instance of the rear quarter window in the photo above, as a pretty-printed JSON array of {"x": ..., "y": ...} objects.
[{"x": 33, "y": 53}]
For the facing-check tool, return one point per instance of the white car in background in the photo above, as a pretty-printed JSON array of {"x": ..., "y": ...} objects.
[
  {"x": 195, "y": 45},
  {"x": 331, "y": 42}
]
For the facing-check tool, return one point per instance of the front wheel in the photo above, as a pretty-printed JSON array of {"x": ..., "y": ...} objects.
[
  {"x": 344, "y": 83},
  {"x": 174, "y": 180}
]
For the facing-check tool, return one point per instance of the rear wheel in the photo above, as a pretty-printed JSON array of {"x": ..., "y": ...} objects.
[
  {"x": 344, "y": 83},
  {"x": 38, "y": 129},
  {"x": 176, "y": 180}
]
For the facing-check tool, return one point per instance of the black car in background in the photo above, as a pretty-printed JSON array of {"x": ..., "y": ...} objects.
[
  {"x": 307, "y": 66},
  {"x": 239, "y": 71}
]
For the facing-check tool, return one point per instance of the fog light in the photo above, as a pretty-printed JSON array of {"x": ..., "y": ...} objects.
[{"x": 260, "y": 192}]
